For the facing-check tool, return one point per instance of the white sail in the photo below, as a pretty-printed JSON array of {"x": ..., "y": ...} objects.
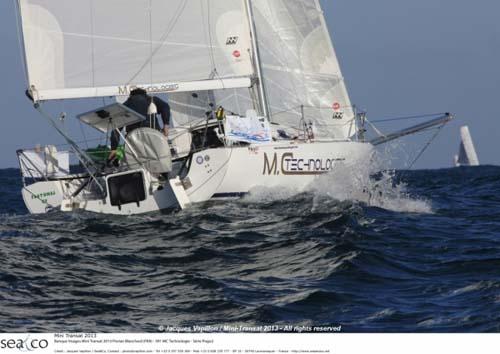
[
  {"x": 467, "y": 154},
  {"x": 300, "y": 67},
  {"x": 90, "y": 48}
]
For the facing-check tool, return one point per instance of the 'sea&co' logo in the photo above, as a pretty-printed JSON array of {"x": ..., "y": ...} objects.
[{"x": 26, "y": 345}]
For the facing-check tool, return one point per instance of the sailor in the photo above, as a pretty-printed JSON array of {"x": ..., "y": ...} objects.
[{"x": 147, "y": 106}]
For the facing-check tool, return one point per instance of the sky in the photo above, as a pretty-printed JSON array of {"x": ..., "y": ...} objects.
[{"x": 399, "y": 58}]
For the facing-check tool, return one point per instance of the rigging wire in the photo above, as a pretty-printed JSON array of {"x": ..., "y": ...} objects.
[
  {"x": 214, "y": 73},
  {"x": 177, "y": 14},
  {"x": 107, "y": 136},
  {"x": 86, "y": 161},
  {"x": 424, "y": 149},
  {"x": 83, "y": 133}
]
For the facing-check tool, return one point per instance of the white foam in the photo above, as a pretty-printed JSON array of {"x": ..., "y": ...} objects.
[
  {"x": 356, "y": 183},
  {"x": 381, "y": 314},
  {"x": 473, "y": 287},
  {"x": 263, "y": 194},
  {"x": 353, "y": 183},
  {"x": 345, "y": 185}
]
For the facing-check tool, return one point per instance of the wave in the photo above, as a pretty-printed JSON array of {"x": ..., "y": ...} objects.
[{"x": 392, "y": 251}]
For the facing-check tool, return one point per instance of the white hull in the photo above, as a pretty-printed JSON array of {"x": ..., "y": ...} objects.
[
  {"x": 214, "y": 173},
  {"x": 292, "y": 165}
]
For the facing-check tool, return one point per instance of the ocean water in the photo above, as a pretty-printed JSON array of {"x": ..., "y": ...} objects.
[{"x": 414, "y": 251}]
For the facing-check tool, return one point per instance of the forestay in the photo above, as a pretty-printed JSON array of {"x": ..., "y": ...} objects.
[
  {"x": 300, "y": 67},
  {"x": 91, "y": 48}
]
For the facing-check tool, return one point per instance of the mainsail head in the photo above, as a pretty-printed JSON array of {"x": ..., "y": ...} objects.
[{"x": 90, "y": 48}]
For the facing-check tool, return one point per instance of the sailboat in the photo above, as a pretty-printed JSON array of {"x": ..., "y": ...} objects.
[
  {"x": 467, "y": 155},
  {"x": 255, "y": 87}
]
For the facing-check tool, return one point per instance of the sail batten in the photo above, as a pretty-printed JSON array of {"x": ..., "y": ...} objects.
[{"x": 86, "y": 47}]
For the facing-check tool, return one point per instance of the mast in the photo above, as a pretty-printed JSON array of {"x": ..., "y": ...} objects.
[{"x": 263, "y": 103}]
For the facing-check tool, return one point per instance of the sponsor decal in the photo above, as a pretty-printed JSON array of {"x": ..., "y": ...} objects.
[
  {"x": 232, "y": 40},
  {"x": 289, "y": 165},
  {"x": 286, "y": 147},
  {"x": 125, "y": 90},
  {"x": 253, "y": 150},
  {"x": 236, "y": 54},
  {"x": 43, "y": 196},
  {"x": 338, "y": 115}
]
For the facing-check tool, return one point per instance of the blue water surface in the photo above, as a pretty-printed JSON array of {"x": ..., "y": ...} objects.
[{"x": 426, "y": 262}]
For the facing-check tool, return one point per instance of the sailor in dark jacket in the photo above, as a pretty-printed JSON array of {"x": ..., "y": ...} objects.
[{"x": 140, "y": 102}]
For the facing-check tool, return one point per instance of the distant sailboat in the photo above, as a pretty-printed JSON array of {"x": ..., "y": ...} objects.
[{"x": 467, "y": 155}]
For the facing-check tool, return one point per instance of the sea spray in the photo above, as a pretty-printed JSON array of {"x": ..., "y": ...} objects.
[{"x": 370, "y": 183}]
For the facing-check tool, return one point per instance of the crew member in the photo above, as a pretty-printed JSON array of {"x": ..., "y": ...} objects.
[{"x": 141, "y": 102}]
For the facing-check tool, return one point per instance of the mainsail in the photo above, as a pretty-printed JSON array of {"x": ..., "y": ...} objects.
[
  {"x": 91, "y": 48},
  {"x": 467, "y": 155}
]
